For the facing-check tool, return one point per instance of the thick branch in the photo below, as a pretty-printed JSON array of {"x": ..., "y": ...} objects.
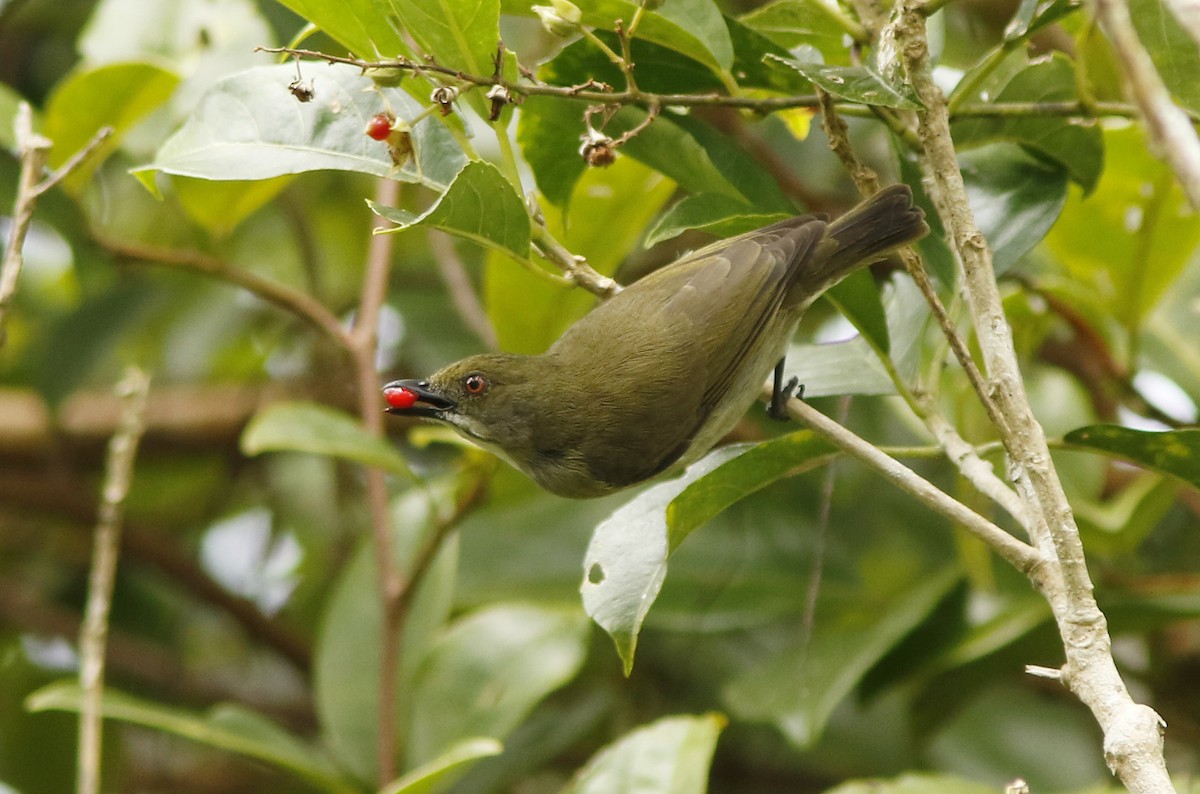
[{"x": 1133, "y": 745}]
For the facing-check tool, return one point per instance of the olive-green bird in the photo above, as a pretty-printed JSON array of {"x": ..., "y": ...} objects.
[{"x": 658, "y": 374}]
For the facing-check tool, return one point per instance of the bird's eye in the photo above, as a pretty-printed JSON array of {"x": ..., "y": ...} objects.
[{"x": 475, "y": 384}]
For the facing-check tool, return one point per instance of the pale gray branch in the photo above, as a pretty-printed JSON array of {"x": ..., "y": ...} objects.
[{"x": 1133, "y": 742}]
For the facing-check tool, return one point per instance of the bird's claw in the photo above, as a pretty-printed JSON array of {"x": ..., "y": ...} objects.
[{"x": 777, "y": 409}]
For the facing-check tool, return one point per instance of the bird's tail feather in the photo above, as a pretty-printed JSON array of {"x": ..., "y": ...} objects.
[{"x": 876, "y": 227}]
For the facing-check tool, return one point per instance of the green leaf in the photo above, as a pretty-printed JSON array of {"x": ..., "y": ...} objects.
[
  {"x": 362, "y": 26},
  {"x": 200, "y": 42},
  {"x": 319, "y": 429},
  {"x": 1174, "y": 452},
  {"x": 700, "y": 159},
  {"x": 480, "y": 205},
  {"x": 855, "y": 83},
  {"x": 118, "y": 95},
  {"x": 792, "y": 23},
  {"x": 436, "y": 774},
  {"x": 488, "y": 671},
  {"x": 751, "y": 470},
  {"x": 1033, "y": 15},
  {"x": 798, "y": 688},
  {"x": 220, "y": 206},
  {"x": 346, "y": 653},
  {"x": 699, "y": 31},
  {"x": 716, "y": 214},
  {"x": 1127, "y": 243},
  {"x": 668, "y": 756},
  {"x": 460, "y": 34},
  {"x": 852, "y": 366},
  {"x": 227, "y": 727},
  {"x": 858, "y": 299},
  {"x": 248, "y": 126},
  {"x": 1173, "y": 50},
  {"x": 626, "y": 560},
  {"x": 593, "y": 225},
  {"x": 1015, "y": 197},
  {"x": 1078, "y": 147},
  {"x": 1119, "y": 524},
  {"x": 694, "y": 28},
  {"x": 548, "y": 132}
]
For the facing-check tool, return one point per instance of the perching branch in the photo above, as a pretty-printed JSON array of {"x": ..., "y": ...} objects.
[
  {"x": 1133, "y": 742},
  {"x": 118, "y": 472},
  {"x": 1022, "y": 556},
  {"x": 977, "y": 471}
]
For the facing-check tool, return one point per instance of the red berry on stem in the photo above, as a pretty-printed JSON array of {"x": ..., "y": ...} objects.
[
  {"x": 400, "y": 397},
  {"x": 380, "y": 126}
]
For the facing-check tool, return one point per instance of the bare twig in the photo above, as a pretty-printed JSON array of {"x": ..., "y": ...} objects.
[
  {"x": 33, "y": 150},
  {"x": 575, "y": 268},
  {"x": 1171, "y": 134},
  {"x": 293, "y": 301},
  {"x": 118, "y": 472},
  {"x": 1133, "y": 741}
]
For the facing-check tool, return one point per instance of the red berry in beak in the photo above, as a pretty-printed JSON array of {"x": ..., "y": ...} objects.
[{"x": 400, "y": 397}]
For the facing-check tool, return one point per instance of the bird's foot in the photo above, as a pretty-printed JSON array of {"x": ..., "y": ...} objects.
[{"x": 777, "y": 409}]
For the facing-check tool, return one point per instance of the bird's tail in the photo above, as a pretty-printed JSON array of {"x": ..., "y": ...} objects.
[{"x": 876, "y": 227}]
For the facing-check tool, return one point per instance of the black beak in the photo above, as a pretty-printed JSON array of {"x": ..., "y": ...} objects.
[{"x": 414, "y": 398}]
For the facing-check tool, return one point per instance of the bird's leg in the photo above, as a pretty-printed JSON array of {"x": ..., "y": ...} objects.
[{"x": 781, "y": 393}]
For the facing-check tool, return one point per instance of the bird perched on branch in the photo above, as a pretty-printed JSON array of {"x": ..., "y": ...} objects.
[{"x": 658, "y": 374}]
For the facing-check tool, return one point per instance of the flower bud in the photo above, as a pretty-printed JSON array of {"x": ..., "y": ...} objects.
[{"x": 561, "y": 17}]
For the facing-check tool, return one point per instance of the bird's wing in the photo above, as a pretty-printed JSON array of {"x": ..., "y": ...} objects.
[{"x": 669, "y": 371}]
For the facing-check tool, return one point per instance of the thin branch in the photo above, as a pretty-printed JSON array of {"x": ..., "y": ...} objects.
[
  {"x": 1021, "y": 555},
  {"x": 293, "y": 301},
  {"x": 596, "y": 94},
  {"x": 94, "y": 636},
  {"x": 1170, "y": 131},
  {"x": 33, "y": 150},
  {"x": 574, "y": 268}
]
